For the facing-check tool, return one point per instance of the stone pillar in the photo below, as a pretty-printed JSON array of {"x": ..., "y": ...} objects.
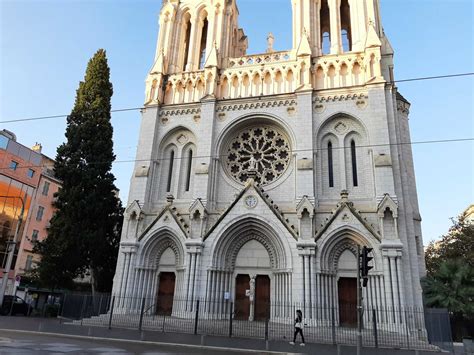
[
  {"x": 203, "y": 180},
  {"x": 190, "y": 66},
  {"x": 304, "y": 157},
  {"x": 355, "y": 26},
  {"x": 335, "y": 19}
]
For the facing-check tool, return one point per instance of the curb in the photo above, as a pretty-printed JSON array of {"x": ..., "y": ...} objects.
[{"x": 203, "y": 347}]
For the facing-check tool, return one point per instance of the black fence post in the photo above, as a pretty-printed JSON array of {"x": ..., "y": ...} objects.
[
  {"x": 142, "y": 310},
  {"x": 407, "y": 329},
  {"x": 111, "y": 312},
  {"x": 63, "y": 303},
  {"x": 231, "y": 314},
  {"x": 196, "y": 319},
  {"x": 84, "y": 298},
  {"x": 333, "y": 326},
  {"x": 266, "y": 329},
  {"x": 374, "y": 320}
]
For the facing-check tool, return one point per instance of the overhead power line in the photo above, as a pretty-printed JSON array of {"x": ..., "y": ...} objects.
[
  {"x": 439, "y": 141},
  {"x": 141, "y": 108}
]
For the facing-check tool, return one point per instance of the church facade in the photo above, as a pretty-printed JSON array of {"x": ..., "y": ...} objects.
[{"x": 258, "y": 176}]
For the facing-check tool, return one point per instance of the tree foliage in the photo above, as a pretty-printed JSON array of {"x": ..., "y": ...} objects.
[
  {"x": 451, "y": 287},
  {"x": 457, "y": 244},
  {"x": 84, "y": 232},
  {"x": 450, "y": 275}
]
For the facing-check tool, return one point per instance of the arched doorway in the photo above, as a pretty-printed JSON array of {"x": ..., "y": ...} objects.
[
  {"x": 248, "y": 258},
  {"x": 252, "y": 283}
]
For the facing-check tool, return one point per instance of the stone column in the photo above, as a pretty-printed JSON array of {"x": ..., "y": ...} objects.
[
  {"x": 193, "y": 45},
  {"x": 355, "y": 26},
  {"x": 335, "y": 19}
]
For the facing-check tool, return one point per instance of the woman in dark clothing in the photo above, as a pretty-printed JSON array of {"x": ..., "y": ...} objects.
[{"x": 298, "y": 327}]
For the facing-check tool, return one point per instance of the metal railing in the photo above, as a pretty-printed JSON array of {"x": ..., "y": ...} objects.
[{"x": 381, "y": 327}]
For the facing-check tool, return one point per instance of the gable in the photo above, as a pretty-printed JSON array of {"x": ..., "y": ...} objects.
[{"x": 346, "y": 216}]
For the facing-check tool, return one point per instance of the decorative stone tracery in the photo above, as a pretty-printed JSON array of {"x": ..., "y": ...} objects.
[{"x": 269, "y": 148}]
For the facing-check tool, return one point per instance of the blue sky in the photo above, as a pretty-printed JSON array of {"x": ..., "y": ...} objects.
[{"x": 45, "y": 46}]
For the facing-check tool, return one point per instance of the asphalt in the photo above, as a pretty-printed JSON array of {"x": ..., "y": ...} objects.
[{"x": 22, "y": 329}]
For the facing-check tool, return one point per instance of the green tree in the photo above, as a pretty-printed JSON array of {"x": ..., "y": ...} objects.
[
  {"x": 457, "y": 244},
  {"x": 451, "y": 287},
  {"x": 84, "y": 232}
]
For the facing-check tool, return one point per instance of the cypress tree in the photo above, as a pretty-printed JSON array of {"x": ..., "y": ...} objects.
[{"x": 84, "y": 233}]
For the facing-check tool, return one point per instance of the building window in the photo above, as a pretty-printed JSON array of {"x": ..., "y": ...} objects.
[
  {"x": 30, "y": 173},
  {"x": 45, "y": 188},
  {"x": 346, "y": 33},
  {"x": 39, "y": 214},
  {"x": 355, "y": 182},
  {"x": 170, "y": 172},
  {"x": 13, "y": 165},
  {"x": 188, "y": 172},
  {"x": 202, "y": 49},
  {"x": 3, "y": 141},
  {"x": 34, "y": 235},
  {"x": 325, "y": 28},
  {"x": 29, "y": 262},
  {"x": 187, "y": 38},
  {"x": 330, "y": 166}
]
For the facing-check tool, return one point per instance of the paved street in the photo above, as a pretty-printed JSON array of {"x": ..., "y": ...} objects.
[{"x": 25, "y": 344}]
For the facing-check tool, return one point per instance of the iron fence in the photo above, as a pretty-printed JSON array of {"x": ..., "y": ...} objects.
[{"x": 381, "y": 327}]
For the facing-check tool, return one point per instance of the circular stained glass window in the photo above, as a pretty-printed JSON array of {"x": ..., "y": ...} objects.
[{"x": 262, "y": 149}]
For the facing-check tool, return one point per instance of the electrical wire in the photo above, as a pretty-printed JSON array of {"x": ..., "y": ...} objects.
[
  {"x": 141, "y": 108},
  {"x": 439, "y": 141}
]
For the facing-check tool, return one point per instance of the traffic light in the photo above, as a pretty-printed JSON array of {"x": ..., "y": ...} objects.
[{"x": 365, "y": 267}]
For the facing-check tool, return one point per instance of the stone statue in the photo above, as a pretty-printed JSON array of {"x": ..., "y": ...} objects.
[
  {"x": 252, "y": 163},
  {"x": 270, "y": 41},
  {"x": 252, "y": 288}
]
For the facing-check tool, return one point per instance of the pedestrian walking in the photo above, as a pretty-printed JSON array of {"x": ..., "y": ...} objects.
[{"x": 298, "y": 327}]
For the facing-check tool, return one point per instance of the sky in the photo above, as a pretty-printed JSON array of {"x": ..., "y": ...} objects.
[{"x": 45, "y": 47}]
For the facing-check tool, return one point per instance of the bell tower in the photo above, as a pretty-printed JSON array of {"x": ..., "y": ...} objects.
[
  {"x": 334, "y": 26},
  {"x": 193, "y": 36}
]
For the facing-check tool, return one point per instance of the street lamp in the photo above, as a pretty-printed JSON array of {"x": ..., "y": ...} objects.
[{"x": 11, "y": 248}]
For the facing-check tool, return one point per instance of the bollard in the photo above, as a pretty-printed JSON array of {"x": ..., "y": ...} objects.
[
  {"x": 142, "y": 310},
  {"x": 111, "y": 312},
  {"x": 196, "y": 319}
]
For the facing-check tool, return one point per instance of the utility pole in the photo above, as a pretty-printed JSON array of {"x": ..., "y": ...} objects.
[
  {"x": 362, "y": 274},
  {"x": 359, "y": 302},
  {"x": 11, "y": 248}
]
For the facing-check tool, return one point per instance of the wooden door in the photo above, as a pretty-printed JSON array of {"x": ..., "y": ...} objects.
[
  {"x": 166, "y": 293},
  {"x": 242, "y": 302},
  {"x": 262, "y": 297},
  {"x": 347, "y": 290}
]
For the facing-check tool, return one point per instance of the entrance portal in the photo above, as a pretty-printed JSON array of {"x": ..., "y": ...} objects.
[
  {"x": 347, "y": 290},
  {"x": 166, "y": 293},
  {"x": 242, "y": 302},
  {"x": 262, "y": 297}
]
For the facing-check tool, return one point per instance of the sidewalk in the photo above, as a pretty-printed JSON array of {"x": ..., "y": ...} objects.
[{"x": 53, "y": 326}]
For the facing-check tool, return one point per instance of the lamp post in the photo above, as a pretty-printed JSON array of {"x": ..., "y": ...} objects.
[{"x": 11, "y": 248}]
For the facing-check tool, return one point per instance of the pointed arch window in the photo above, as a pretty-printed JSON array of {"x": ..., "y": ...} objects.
[
  {"x": 202, "y": 49},
  {"x": 330, "y": 165},
  {"x": 325, "y": 28},
  {"x": 355, "y": 181},
  {"x": 187, "y": 38},
  {"x": 170, "y": 172},
  {"x": 188, "y": 170},
  {"x": 346, "y": 30}
]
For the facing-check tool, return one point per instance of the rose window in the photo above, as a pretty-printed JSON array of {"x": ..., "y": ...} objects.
[{"x": 261, "y": 149}]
